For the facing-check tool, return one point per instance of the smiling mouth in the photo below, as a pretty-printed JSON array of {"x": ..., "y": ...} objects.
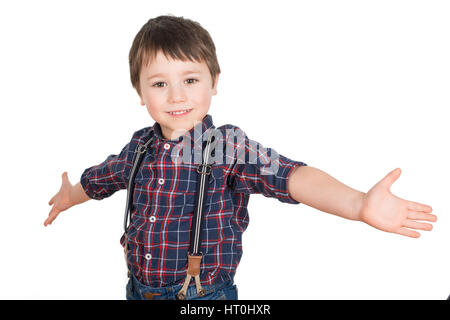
[{"x": 180, "y": 113}]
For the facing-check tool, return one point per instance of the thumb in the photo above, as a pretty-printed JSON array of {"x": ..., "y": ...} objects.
[
  {"x": 65, "y": 180},
  {"x": 391, "y": 177},
  {"x": 65, "y": 177}
]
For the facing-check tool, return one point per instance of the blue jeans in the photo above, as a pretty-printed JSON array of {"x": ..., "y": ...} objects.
[{"x": 137, "y": 291}]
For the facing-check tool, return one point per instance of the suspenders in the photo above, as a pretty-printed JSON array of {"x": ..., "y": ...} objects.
[{"x": 194, "y": 256}]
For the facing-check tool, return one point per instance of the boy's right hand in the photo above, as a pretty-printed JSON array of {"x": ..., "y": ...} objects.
[{"x": 61, "y": 201}]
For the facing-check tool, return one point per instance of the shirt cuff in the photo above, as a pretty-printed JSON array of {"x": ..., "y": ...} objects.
[
  {"x": 288, "y": 169},
  {"x": 84, "y": 181}
]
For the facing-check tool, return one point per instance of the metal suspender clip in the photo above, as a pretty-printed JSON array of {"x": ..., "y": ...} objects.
[
  {"x": 204, "y": 169},
  {"x": 141, "y": 148}
]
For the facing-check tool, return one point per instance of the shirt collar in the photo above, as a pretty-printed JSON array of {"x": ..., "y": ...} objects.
[{"x": 199, "y": 129}]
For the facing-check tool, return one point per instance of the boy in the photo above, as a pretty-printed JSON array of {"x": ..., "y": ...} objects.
[{"x": 174, "y": 69}]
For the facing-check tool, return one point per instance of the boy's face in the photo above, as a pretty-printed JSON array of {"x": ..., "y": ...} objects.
[{"x": 175, "y": 85}]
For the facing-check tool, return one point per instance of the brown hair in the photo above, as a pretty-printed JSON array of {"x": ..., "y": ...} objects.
[{"x": 177, "y": 37}]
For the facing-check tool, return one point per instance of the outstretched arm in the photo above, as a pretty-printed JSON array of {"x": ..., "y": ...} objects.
[{"x": 378, "y": 207}]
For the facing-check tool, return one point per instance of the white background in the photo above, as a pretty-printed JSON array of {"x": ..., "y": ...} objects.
[{"x": 354, "y": 88}]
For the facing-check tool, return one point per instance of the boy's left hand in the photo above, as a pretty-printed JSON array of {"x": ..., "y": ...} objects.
[{"x": 381, "y": 209}]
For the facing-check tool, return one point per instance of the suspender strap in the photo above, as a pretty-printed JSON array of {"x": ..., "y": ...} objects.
[
  {"x": 204, "y": 172},
  {"x": 194, "y": 256},
  {"x": 139, "y": 155}
]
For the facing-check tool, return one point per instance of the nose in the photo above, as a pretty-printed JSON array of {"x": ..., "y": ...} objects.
[{"x": 176, "y": 93}]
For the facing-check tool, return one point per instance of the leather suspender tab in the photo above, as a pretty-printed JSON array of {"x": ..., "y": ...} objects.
[{"x": 194, "y": 265}]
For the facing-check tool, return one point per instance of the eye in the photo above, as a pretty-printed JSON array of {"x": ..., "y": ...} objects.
[
  {"x": 156, "y": 84},
  {"x": 191, "y": 81}
]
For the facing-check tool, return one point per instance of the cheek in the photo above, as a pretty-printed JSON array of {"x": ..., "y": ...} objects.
[
  {"x": 155, "y": 101},
  {"x": 201, "y": 96}
]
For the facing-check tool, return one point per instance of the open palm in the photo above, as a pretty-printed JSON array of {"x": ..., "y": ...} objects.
[
  {"x": 385, "y": 211},
  {"x": 60, "y": 201}
]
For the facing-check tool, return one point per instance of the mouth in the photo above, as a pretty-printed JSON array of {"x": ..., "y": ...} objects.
[{"x": 180, "y": 113}]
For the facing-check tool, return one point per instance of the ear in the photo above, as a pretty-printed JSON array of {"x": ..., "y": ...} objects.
[
  {"x": 142, "y": 100},
  {"x": 215, "y": 85}
]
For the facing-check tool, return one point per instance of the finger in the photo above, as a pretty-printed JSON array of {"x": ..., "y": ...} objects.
[
  {"x": 408, "y": 233},
  {"x": 52, "y": 200},
  {"x": 417, "y": 225},
  {"x": 415, "y": 215},
  {"x": 65, "y": 177},
  {"x": 51, "y": 216},
  {"x": 391, "y": 177},
  {"x": 65, "y": 180},
  {"x": 419, "y": 207},
  {"x": 49, "y": 220}
]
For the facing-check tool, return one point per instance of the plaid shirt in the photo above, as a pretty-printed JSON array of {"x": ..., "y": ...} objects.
[{"x": 163, "y": 202}]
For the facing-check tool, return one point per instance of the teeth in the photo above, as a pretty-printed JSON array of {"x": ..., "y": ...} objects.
[{"x": 179, "y": 112}]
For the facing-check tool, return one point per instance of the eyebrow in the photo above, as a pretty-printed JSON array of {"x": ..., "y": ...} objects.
[{"x": 161, "y": 74}]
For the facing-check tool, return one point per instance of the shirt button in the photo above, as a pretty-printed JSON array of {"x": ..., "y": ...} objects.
[
  {"x": 152, "y": 219},
  {"x": 148, "y": 256},
  {"x": 161, "y": 181},
  {"x": 167, "y": 146}
]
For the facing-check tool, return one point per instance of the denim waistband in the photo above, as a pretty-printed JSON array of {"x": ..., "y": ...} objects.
[{"x": 169, "y": 292}]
